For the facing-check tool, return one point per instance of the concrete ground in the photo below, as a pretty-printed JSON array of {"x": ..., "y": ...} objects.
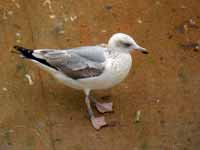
[{"x": 163, "y": 86}]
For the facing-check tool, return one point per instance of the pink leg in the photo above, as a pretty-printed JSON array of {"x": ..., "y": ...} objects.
[{"x": 97, "y": 122}]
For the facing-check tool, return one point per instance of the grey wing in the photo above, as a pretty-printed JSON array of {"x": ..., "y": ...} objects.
[
  {"x": 76, "y": 63},
  {"x": 93, "y": 53}
]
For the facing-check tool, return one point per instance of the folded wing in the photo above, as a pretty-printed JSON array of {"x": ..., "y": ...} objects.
[{"x": 78, "y": 63}]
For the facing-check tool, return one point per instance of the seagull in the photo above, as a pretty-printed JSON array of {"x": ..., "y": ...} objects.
[{"x": 88, "y": 68}]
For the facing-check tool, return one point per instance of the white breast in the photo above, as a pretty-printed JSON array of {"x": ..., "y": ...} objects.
[{"x": 117, "y": 68}]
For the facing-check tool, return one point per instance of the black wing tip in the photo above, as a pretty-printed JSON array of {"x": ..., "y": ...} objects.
[
  {"x": 20, "y": 48},
  {"x": 28, "y": 53},
  {"x": 25, "y": 52}
]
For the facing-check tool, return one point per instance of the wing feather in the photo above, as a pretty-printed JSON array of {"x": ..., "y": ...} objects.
[{"x": 76, "y": 63}]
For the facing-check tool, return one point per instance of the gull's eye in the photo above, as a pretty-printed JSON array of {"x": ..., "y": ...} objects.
[
  {"x": 127, "y": 44},
  {"x": 124, "y": 44}
]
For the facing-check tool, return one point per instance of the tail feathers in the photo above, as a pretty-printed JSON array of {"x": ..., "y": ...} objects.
[{"x": 28, "y": 53}]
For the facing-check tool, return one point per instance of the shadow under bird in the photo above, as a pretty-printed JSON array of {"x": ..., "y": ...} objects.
[{"x": 89, "y": 68}]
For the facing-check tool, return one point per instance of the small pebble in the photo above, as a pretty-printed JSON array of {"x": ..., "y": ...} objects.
[
  {"x": 18, "y": 37},
  {"x": 139, "y": 21},
  {"x": 30, "y": 81},
  {"x": 138, "y": 116},
  {"x": 48, "y": 2},
  {"x": 10, "y": 12},
  {"x": 52, "y": 16},
  {"x": 18, "y": 34},
  {"x": 4, "y": 89},
  {"x": 18, "y": 41},
  {"x": 72, "y": 18}
]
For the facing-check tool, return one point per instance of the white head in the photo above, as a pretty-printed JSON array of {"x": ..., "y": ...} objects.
[{"x": 124, "y": 43}]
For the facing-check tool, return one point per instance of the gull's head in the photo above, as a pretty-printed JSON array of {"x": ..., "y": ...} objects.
[{"x": 124, "y": 43}]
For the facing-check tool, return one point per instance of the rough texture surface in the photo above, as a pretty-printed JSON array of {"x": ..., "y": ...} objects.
[{"x": 164, "y": 86}]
